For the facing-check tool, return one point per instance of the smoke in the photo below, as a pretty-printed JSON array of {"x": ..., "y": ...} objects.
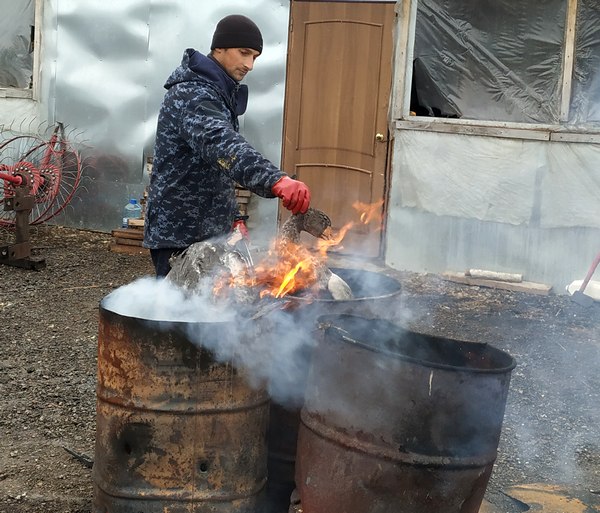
[
  {"x": 160, "y": 300},
  {"x": 275, "y": 350},
  {"x": 270, "y": 340},
  {"x": 550, "y": 426},
  {"x": 272, "y": 349},
  {"x": 552, "y": 412}
]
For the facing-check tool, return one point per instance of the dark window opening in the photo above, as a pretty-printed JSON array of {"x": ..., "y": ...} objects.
[{"x": 16, "y": 43}]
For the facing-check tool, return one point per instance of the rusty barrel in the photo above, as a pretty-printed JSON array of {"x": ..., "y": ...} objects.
[
  {"x": 375, "y": 295},
  {"x": 176, "y": 430},
  {"x": 399, "y": 421}
]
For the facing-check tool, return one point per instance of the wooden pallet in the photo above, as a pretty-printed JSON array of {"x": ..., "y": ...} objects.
[{"x": 129, "y": 240}]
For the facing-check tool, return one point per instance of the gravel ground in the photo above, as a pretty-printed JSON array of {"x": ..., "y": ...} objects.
[{"x": 48, "y": 337}]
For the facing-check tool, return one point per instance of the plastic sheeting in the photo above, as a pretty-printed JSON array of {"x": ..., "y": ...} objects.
[
  {"x": 471, "y": 177},
  {"x": 16, "y": 55},
  {"x": 535, "y": 183},
  {"x": 585, "y": 100},
  {"x": 496, "y": 60}
]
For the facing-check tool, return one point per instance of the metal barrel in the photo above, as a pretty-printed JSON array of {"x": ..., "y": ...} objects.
[
  {"x": 176, "y": 430},
  {"x": 399, "y": 421},
  {"x": 375, "y": 295}
]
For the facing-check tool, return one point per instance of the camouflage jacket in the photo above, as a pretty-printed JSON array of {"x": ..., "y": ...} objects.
[{"x": 199, "y": 155}]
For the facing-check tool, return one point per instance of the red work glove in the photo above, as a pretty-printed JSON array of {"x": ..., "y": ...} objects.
[
  {"x": 295, "y": 194},
  {"x": 240, "y": 223}
]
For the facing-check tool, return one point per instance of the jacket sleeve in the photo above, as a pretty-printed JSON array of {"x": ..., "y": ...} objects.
[{"x": 207, "y": 128}]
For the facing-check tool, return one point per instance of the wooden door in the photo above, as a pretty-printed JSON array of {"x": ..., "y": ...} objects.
[{"x": 336, "y": 113}]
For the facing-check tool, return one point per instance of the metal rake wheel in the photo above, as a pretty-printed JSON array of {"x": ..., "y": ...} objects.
[{"x": 49, "y": 168}]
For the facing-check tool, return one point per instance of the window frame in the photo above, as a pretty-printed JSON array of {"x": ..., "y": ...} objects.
[
  {"x": 406, "y": 11},
  {"x": 33, "y": 92}
]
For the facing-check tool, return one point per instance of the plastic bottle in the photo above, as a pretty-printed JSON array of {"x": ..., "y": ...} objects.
[{"x": 133, "y": 210}]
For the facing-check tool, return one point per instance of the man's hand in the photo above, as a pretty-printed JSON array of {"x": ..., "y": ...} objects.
[
  {"x": 294, "y": 193},
  {"x": 240, "y": 224}
]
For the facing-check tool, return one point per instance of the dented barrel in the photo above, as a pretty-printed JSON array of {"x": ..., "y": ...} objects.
[
  {"x": 177, "y": 430},
  {"x": 398, "y": 421}
]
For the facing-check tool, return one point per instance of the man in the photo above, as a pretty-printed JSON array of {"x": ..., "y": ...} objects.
[{"x": 199, "y": 154}]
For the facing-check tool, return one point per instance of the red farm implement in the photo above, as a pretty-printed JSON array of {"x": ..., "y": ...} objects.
[{"x": 38, "y": 178}]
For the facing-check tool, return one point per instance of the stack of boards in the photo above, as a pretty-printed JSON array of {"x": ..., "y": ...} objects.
[{"x": 129, "y": 240}]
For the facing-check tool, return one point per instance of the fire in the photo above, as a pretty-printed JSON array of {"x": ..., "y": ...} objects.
[
  {"x": 333, "y": 240},
  {"x": 288, "y": 268},
  {"x": 289, "y": 282},
  {"x": 284, "y": 270},
  {"x": 369, "y": 213}
]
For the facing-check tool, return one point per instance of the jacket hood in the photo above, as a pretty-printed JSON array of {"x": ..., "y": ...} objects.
[{"x": 196, "y": 67}]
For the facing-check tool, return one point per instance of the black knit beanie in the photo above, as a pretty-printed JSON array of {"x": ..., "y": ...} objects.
[{"x": 237, "y": 31}]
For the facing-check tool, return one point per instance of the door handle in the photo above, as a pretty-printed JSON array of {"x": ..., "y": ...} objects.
[{"x": 379, "y": 137}]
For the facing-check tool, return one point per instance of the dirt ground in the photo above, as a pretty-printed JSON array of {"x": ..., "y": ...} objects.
[{"x": 48, "y": 337}]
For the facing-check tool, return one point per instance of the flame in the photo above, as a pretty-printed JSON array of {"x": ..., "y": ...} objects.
[
  {"x": 288, "y": 268},
  {"x": 285, "y": 269},
  {"x": 332, "y": 239},
  {"x": 289, "y": 282},
  {"x": 296, "y": 268},
  {"x": 369, "y": 213},
  {"x": 225, "y": 282}
]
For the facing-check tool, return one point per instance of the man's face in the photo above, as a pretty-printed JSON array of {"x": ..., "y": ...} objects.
[{"x": 236, "y": 61}]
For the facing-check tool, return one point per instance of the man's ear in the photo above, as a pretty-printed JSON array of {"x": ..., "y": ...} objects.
[{"x": 217, "y": 54}]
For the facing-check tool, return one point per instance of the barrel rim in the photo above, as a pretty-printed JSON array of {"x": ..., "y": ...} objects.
[
  {"x": 163, "y": 322},
  {"x": 354, "y": 300},
  {"x": 340, "y": 337}
]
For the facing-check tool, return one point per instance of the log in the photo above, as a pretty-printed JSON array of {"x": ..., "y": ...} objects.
[
  {"x": 135, "y": 223},
  {"x": 525, "y": 286},
  {"x": 128, "y": 233},
  {"x": 493, "y": 275},
  {"x": 243, "y": 193},
  {"x": 128, "y": 242}
]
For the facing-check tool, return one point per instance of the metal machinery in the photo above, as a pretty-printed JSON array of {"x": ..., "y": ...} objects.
[{"x": 38, "y": 178}]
